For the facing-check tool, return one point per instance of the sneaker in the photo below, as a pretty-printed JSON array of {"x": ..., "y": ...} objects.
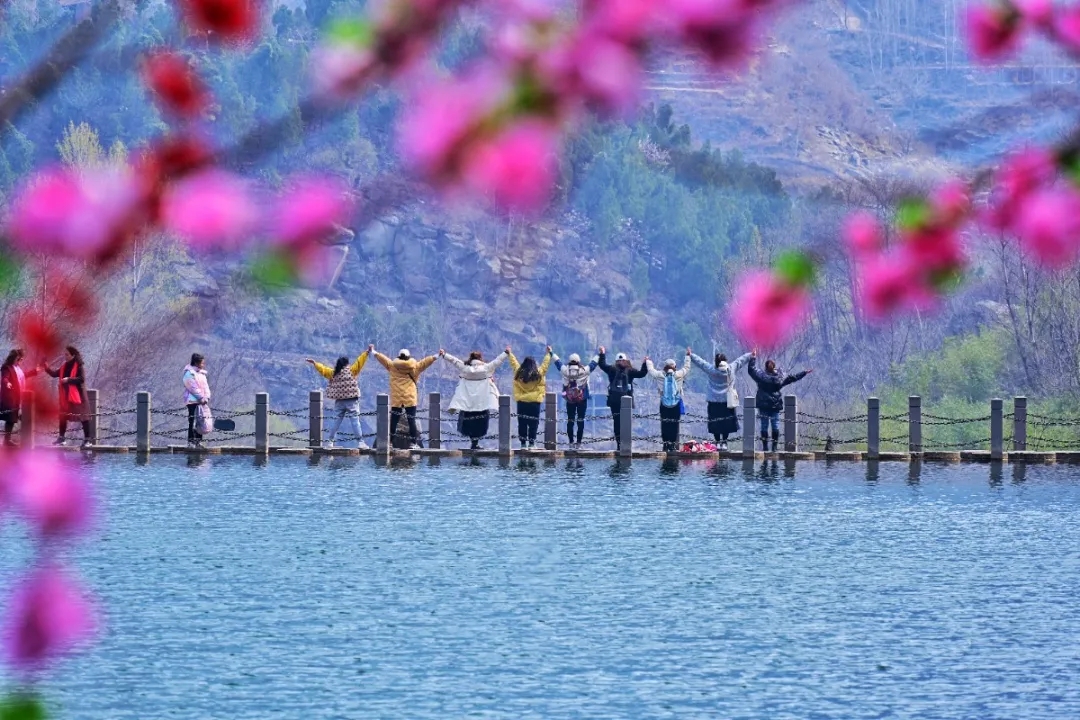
[
  {"x": 60, "y": 442},
  {"x": 414, "y": 446},
  {"x": 362, "y": 445},
  {"x": 192, "y": 445},
  {"x": 329, "y": 444},
  {"x": 85, "y": 444},
  {"x": 723, "y": 447}
]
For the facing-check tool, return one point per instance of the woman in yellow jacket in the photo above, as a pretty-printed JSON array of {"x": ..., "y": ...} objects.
[
  {"x": 345, "y": 392},
  {"x": 529, "y": 389},
  {"x": 404, "y": 372}
]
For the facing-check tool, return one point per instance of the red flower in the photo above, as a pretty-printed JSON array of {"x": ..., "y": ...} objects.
[
  {"x": 231, "y": 20},
  {"x": 176, "y": 85}
]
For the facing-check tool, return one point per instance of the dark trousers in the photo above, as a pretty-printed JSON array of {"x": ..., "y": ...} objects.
[
  {"x": 616, "y": 417},
  {"x": 669, "y": 427},
  {"x": 528, "y": 420},
  {"x": 400, "y": 414},
  {"x": 10, "y": 418},
  {"x": 192, "y": 434},
  {"x": 576, "y": 412},
  {"x": 74, "y": 412}
]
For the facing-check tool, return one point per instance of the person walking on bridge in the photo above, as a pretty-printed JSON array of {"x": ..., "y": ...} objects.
[
  {"x": 722, "y": 398},
  {"x": 476, "y": 395},
  {"x": 71, "y": 376},
  {"x": 343, "y": 389},
  {"x": 404, "y": 373},
  {"x": 769, "y": 401},
  {"x": 621, "y": 378},
  {"x": 529, "y": 389}
]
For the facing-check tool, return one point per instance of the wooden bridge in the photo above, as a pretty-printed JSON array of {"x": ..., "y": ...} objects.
[{"x": 264, "y": 430}]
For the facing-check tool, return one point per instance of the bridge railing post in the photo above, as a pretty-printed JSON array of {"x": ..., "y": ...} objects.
[
  {"x": 997, "y": 434},
  {"x": 915, "y": 441},
  {"x": 1019, "y": 423},
  {"x": 92, "y": 402},
  {"x": 142, "y": 421},
  {"x": 505, "y": 449},
  {"x": 434, "y": 420},
  {"x": 262, "y": 423},
  {"x": 749, "y": 423},
  {"x": 626, "y": 426},
  {"x": 873, "y": 427},
  {"x": 315, "y": 418},
  {"x": 382, "y": 424},
  {"x": 551, "y": 421},
  {"x": 29, "y": 420},
  {"x": 791, "y": 423}
]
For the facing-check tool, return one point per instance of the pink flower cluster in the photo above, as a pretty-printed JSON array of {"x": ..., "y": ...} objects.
[
  {"x": 929, "y": 254},
  {"x": 495, "y": 130},
  {"x": 768, "y": 310},
  {"x": 996, "y": 29},
  {"x": 48, "y": 612},
  {"x": 1032, "y": 201}
]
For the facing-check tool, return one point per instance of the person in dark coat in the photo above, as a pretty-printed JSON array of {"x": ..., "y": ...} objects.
[
  {"x": 621, "y": 378},
  {"x": 12, "y": 384},
  {"x": 73, "y": 406},
  {"x": 769, "y": 401}
]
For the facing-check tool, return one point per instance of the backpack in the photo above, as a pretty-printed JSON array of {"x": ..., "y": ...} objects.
[
  {"x": 620, "y": 384},
  {"x": 574, "y": 393},
  {"x": 670, "y": 397}
]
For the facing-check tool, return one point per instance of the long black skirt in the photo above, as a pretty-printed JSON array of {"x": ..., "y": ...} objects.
[
  {"x": 722, "y": 419},
  {"x": 473, "y": 424}
]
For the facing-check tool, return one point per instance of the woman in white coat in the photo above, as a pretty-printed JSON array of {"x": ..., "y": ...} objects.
[{"x": 476, "y": 394}]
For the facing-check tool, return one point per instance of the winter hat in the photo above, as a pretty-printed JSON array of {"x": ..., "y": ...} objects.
[
  {"x": 575, "y": 358},
  {"x": 404, "y": 353},
  {"x": 621, "y": 356}
]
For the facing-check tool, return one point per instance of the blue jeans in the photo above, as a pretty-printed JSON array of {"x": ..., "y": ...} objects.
[
  {"x": 766, "y": 419},
  {"x": 349, "y": 409}
]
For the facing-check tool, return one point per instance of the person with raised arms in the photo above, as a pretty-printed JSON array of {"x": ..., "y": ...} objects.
[
  {"x": 476, "y": 395},
  {"x": 669, "y": 383},
  {"x": 769, "y": 401},
  {"x": 722, "y": 398},
  {"x": 621, "y": 378},
  {"x": 344, "y": 390},
  {"x": 575, "y": 392},
  {"x": 404, "y": 373},
  {"x": 530, "y": 386}
]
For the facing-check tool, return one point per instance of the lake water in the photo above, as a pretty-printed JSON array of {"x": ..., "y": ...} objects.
[{"x": 578, "y": 590}]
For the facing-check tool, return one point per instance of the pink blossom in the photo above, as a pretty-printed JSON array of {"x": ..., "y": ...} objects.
[
  {"x": 443, "y": 115},
  {"x": 340, "y": 70},
  {"x": 600, "y": 72},
  {"x": 48, "y": 614},
  {"x": 516, "y": 168},
  {"x": 78, "y": 214},
  {"x": 892, "y": 284},
  {"x": 863, "y": 234},
  {"x": 1047, "y": 224},
  {"x": 1024, "y": 171},
  {"x": 211, "y": 209},
  {"x": 311, "y": 210},
  {"x": 625, "y": 20},
  {"x": 1037, "y": 12},
  {"x": 993, "y": 31},
  {"x": 951, "y": 202},
  {"x": 50, "y": 492},
  {"x": 935, "y": 249},
  {"x": 766, "y": 312},
  {"x": 722, "y": 29},
  {"x": 1067, "y": 26}
]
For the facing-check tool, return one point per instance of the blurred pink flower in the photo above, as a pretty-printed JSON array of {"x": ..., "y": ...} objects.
[
  {"x": 767, "y": 313},
  {"x": 516, "y": 168},
  {"x": 951, "y": 201},
  {"x": 722, "y": 29},
  {"x": 441, "y": 117},
  {"x": 340, "y": 70},
  {"x": 211, "y": 209},
  {"x": 863, "y": 234},
  {"x": 77, "y": 214},
  {"x": 993, "y": 31},
  {"x": 1024, "y": 171},
  {"x": 310, "y": 210},
  {"x": 892, "y": 284},
  {"x": 935, "y": 249},
  {"x": 52, "y": 493},
  {"x": 603, "y": 73},
  {"x": 48, "y": 615},
  {"x": 625, "y": 20},
  {"x": 1047, "y": 224},
  {"x": 1066, "y": 25},
  {"x": 1037, "y": 12}
]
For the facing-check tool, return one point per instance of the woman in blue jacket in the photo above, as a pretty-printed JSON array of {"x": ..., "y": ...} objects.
[{"x": 769, "y": 401}]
